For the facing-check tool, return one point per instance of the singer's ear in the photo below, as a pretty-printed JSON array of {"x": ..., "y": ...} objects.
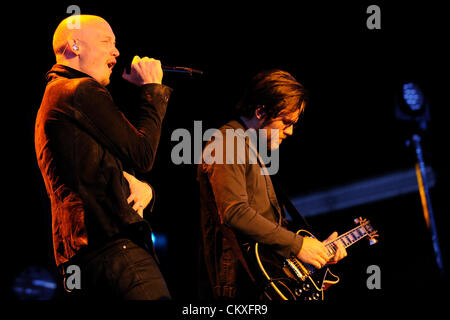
[{"x": 74, "y": 47}]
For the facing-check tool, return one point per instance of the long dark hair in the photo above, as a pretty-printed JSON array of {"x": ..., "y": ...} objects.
[{"x": 276, "y": 90}]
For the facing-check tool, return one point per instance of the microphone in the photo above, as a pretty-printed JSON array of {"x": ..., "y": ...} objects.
[{"x": 189, "y": 71}]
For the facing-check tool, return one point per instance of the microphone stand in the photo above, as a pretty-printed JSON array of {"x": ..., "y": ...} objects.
[{"x": 426, "y": 201}]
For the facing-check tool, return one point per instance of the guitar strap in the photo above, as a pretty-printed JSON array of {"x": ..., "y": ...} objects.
[{"x": 296, "y": 216}]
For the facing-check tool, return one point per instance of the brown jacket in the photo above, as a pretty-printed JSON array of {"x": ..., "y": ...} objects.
[{"x": 83, "y": 144}]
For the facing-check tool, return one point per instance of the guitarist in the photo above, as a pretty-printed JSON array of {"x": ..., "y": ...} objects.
[{"x": 238, "y": 202}]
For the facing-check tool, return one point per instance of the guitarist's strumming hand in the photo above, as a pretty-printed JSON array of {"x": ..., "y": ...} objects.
[{"x": 315, "y": 253}]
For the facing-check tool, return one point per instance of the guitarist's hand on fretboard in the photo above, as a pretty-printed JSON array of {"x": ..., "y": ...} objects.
[{"x": 335, "y": 250}]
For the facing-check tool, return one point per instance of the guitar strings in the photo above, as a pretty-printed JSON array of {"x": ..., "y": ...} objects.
[{"x": 332, "y": 246}]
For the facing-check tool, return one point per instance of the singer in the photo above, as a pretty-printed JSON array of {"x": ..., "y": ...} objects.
[{"x": 88, "y": 153}]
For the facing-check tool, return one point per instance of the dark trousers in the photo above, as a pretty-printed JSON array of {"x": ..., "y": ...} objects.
[{"x": 120, "y": 270}]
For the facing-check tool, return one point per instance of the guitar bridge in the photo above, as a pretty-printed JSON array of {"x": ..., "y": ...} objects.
[{"x": 295, "y": 269}]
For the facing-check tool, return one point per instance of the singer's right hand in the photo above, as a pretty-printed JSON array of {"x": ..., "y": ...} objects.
[{"x": 144, "y": 71}]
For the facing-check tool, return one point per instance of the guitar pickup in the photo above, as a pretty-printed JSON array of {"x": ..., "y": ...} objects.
[{"x": 295, "y": 269}]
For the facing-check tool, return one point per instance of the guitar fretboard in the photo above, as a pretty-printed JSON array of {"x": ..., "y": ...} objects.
[{"x": 348, "y": 238}]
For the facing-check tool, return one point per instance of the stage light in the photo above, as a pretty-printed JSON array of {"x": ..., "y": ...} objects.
[
  {"x": 413, "y": 112},
  {"x": 159, "y": 240},
  {"x": 411, "y": 108},
  {"x": 413, "y": 96},
  {"x": 34, "y": 283}
]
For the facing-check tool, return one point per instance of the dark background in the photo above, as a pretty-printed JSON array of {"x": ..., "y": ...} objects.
[{"x": 348, "y": 132}]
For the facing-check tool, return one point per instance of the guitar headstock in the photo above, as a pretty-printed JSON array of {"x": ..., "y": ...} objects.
[{"x": 372, "y": 234}]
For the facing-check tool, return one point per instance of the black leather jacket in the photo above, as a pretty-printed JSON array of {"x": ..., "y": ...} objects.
[{"x": 83, "y": 143}]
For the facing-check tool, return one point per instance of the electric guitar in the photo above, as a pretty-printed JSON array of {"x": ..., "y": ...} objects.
[{"x": 292, "y": 279}]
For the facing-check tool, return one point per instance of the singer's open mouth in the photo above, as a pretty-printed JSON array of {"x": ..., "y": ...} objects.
[{"x": 111, "y": 65}]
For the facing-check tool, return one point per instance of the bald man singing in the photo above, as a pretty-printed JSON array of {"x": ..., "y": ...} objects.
[{"x": 88, "y": 153}]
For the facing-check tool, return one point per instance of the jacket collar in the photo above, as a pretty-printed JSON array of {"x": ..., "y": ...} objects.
[{"x": 59, "y": 70}]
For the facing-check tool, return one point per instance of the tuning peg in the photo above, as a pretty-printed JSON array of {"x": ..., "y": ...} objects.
[
  {"x": 359, "y": 220},
  {"x": 373, "y": 240}
]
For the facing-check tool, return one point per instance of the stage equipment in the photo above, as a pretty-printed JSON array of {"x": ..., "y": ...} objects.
[
  {"x": 361, "y": 192},
  {"x": 412, "y": 108}
]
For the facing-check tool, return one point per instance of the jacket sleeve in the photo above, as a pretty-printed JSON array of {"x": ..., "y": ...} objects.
[
  {"x": 135, "y": 145},
  {"x": 228, "y": 183}
]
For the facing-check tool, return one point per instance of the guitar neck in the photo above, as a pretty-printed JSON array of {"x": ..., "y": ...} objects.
[{"x": 347, "y": 239}]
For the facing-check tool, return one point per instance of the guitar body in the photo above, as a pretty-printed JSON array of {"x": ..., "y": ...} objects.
[{"x": 290, "y": 279}]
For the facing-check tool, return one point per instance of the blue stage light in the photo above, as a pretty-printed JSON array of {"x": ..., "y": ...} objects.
[
  {"x": 413, "y": 96},
  {"x": 34, "y": 283},
  {"x": 159, "y": 240}
]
